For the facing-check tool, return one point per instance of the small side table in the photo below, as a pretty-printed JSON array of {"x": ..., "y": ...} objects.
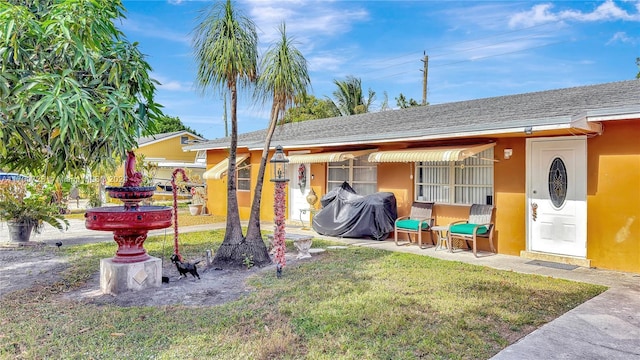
[{"x": 441, "y": 231}]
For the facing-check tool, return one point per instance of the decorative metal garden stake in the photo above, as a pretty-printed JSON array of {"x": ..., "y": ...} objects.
[
  {"x": 279, "y": 167},
  {"x": 174, "y": 189}
]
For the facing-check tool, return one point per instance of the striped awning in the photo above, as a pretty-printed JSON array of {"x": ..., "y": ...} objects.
[
  {"x": 219, "y": 169},
  {"x": 326, "y": 157},
  {"x": 441, "y": 153}
]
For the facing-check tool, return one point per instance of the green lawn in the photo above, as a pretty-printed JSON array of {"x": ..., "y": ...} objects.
[{"x": 354, "y": 303}]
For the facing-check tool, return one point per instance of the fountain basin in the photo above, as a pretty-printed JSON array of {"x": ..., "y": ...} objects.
[
  {"x": 130, "y": 192},
  {"x": 129, "y": 227}
]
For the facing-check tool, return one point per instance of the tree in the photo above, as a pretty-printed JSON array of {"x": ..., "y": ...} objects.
[
  {"x": 309, "y": 108},
  {"x": 167, "y": 124},
  {"x": 74, "y": 92},
  {"x": 349, "y": 99},
  {"x": 226, "y": 44},
  {"x": 638, "y": 63},
  {"x": 403, "y": 103},
  {"x": 385, "y": 102},
  {"x": 285, "y": 77}
]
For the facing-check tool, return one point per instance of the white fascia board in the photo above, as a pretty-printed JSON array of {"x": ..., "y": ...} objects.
[
  {"x": 204, "y": 147},
  {"x": 621, "y": 113},
  {"x": 515, "y": 130},
  {"x": 614, "y": 117},
  {"x": 175, "y": 164},
  {"x": 160, "y": 139}
]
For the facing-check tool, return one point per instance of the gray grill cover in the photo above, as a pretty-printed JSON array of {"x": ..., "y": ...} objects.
[{"x": 347, "y": 214}]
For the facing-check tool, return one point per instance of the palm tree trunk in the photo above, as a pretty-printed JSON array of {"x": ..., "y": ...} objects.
[
  {"x": 234, "y": 227},
  {"x": 253, "y": 230},
  {"x": 230, "y": 253}
]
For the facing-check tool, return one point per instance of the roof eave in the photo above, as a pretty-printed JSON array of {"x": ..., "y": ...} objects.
[
  {"x": 452, "y": 135},
  {"x": 180, "y": 133}
]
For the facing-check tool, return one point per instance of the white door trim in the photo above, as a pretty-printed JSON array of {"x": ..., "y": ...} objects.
[{"x": 579, "y": 182}]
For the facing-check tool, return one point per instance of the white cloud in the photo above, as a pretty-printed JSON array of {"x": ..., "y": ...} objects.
[
  {"x": 606, "y": 11},
  {"x": 172, "y": 85},
  {"x": 325, "y": 62},
  {"x": 322, "y": 19},
  {"x": 538, "y": 14},
  {"x": 543, "y": 13},
  {"x": 622, "y": 37},
  {"x": 175, "y": 2},
  {"x": 471, "y": 16},
  {"x": 508, "y": 46},
  {"x": 175, "y": 86}
]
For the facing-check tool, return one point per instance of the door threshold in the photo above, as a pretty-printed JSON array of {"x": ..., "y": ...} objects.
[{"x": 562, "y": 259}]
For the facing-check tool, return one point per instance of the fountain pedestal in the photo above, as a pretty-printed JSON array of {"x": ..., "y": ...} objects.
[{"x": 117, "y": 278}]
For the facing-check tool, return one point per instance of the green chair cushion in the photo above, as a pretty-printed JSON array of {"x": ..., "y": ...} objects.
[
  {"x": 410, "y": 224},
  {"x": 467, "y": 229}
]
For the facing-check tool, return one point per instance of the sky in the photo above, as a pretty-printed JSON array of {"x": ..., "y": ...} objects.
[{"x": 476, "y": 49}]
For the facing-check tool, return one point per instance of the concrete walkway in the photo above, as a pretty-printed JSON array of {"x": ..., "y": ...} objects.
[{"x": 605, "y": 327}]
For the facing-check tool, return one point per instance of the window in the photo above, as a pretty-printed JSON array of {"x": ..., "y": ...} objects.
[
  {"x": 359, "y": 173},
  {"x": 463, "y": 182},
  {"x": 244, "y": 176},
  {"x": 558, "y": 182},
  {"x": 184, "y": 140}
]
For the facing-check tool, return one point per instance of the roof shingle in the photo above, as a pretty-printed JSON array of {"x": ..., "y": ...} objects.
[{"x": 531, "y": 109}]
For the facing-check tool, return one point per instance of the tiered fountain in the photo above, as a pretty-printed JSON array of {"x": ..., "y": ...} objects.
[{"x": 131, "y": 268}]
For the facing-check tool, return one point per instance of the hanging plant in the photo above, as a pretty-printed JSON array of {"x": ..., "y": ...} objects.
[{"x": 302, "y": 177}]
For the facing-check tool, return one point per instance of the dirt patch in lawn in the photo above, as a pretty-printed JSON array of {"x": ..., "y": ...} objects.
[
  {"x": 214, "y": 287},
  {"x": 26, "y": 267}
]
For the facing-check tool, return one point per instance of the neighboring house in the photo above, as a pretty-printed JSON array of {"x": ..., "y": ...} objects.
[
  {"x": 561, "y": 167},
  {"x": 165, "y": 151}
]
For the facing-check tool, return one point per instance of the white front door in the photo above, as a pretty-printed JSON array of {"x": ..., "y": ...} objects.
[
  {"x": 298, "y": 191},
  {"x": 557, "y": 195}
]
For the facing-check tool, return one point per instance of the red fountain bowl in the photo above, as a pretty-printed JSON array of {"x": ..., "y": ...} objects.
[
  {"x": 130, "y": 223},
  {"x": 111, "y": 218}
]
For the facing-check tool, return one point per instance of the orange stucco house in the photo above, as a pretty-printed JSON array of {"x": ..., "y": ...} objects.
[{"x": 561, "y": 167}]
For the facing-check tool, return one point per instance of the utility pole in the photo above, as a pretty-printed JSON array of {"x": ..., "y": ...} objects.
[{"x": 425, "y": 73}]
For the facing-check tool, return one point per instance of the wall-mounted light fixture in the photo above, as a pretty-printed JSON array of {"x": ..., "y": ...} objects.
[
  {"x": 528, "y": 130},
  {"x": 507, "y": 153}
]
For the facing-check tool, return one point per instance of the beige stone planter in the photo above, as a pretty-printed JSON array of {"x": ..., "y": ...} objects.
[{"x": 195, "y": 209}]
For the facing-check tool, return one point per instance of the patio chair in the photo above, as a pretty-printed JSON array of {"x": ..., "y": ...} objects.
[
  {"x": 478, "y": 226},
  {"x": 418, "y": 221}
]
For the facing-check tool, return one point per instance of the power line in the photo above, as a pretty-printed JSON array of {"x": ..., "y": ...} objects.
[
  {"x": 471, "y": 60},
  {"x": 489, "y": 45},
  {"x": 455, "y": 52},
  {"x": 498, "y": 35},
  {"x": 505, "y": 53}
]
